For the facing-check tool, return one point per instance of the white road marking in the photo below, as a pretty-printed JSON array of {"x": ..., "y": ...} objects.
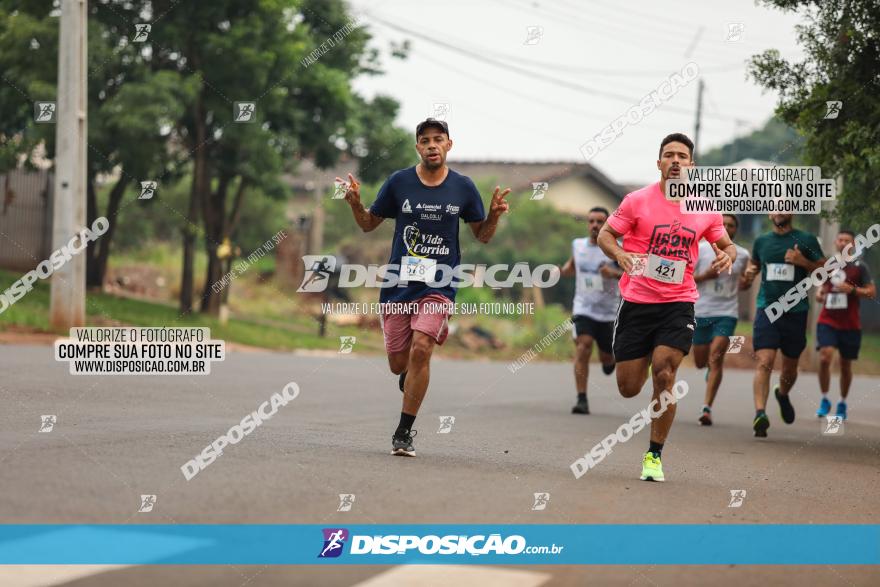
[
  {"x": 158, "y": 545},
  {"x": 49, "y": 575}
]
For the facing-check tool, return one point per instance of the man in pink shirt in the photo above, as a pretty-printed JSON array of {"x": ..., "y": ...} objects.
[{"x": 655, "y": 319}]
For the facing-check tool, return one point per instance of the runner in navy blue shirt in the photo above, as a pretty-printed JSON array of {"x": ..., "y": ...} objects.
[
  {"x": 427, "y": 201},
  {"x": 427, "y": 222}
]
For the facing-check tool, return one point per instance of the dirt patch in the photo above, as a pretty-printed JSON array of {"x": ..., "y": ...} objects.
[{"x": 13, "y": 334}]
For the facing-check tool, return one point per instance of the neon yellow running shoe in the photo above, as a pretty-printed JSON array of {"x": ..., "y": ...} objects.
[{"x": 652, "y": 470}]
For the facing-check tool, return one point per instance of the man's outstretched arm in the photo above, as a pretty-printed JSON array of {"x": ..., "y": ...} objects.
[
  {"x": 364, "y": 218},
  {"x": 607, "y": 240}
]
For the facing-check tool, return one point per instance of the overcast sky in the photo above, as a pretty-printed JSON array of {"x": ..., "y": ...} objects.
[{"x": 510, "y": 100}]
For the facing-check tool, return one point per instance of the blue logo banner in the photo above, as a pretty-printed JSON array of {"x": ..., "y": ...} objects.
[{"x": 381, "y": 544}]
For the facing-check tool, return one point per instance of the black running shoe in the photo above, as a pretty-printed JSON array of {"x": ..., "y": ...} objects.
[
  {"x": 401, "y": 380},
  {"x": 581, "y": 407},
  {"x": 760, "y": 425},
  {"x": 402, "y": 444},
  {"x": 785, "y": 407},
  {"x": 608, "y": 369}
]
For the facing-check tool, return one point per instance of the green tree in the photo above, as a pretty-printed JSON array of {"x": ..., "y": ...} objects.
[
  {"x": 382, "y": 147},
  {"x": 839, "y": 39},
  {"x": 164, "y": 107},
  {"x": 534, "y": 232},
  {"x": 263, "y": 51},
  {"x": 131, "y": 110},
  {"x": 775, "y": 141},
  {"x": 27, "y": 36}
]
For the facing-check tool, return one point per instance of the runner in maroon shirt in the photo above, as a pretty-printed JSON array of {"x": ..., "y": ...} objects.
[{"x": 839, "y": 326}]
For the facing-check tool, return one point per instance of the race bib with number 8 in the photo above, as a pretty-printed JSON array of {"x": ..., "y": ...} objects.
[
  {"x": 836, "y": 301},
  {"x": 417, "y": 269},
  {"x": 665, "y": 270},
  {"x": 780, "y": 272},
  {"x": 593, "y": 282}
]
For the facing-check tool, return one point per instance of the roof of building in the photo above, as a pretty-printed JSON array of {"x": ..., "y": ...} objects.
[{"x": 518, "y": 175}]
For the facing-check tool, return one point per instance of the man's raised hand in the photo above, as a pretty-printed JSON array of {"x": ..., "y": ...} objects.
[
  {"x": 499, "y": 205},
  {"x": 795, "y": 257},
  {"x": 353, "y": 190},
  {"x": 722, "y": 260}
]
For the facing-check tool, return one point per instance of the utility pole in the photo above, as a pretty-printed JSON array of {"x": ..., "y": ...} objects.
[
  {"x": 700, "y": 87},
  {"x": 67, "y": 302},
  {"x": 740, "y": 124}
]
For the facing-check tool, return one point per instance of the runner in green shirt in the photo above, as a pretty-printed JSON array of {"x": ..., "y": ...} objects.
[{"x": 784, "y": 256}]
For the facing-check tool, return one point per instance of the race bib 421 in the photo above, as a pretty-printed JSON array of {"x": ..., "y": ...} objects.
[{"x": 665, "y": 270}]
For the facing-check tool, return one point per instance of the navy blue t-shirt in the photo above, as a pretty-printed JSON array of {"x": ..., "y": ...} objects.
[{"x": 426, "y": 225}]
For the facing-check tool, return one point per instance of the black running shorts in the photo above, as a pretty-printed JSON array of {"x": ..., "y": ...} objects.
[
  {"x": 602, "y": 332},
  {"x": 788, "y": 333},
  {"x": 640, "y": 328}
]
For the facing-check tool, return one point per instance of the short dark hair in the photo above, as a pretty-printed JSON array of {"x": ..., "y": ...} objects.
[
  {"x": 849, "y": 232},
  {"x": 677, "y": 137},
  {"x": 599, "y": 209},
  {"x": 735, "y": 219}
]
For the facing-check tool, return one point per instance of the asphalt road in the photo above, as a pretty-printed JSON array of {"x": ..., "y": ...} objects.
[{"x": 118, "y": 437}]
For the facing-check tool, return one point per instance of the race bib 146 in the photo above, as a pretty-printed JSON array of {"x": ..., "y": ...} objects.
[{"x": 780, "y": 272}]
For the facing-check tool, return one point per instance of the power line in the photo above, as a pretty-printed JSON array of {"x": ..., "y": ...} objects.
[
  {"x": 526, "y": 72},
  {"x": 655, "y": 18},
  {"x": 616, "y": 72},
  {"x": 528, "y": 97},
  {"x": 622, "y": 32}
]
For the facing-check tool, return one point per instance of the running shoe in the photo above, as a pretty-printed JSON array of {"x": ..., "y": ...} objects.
[
  {"x": 652, "y": 470},
  {"x": 760, "y": 425},
  {"x": 402, "y": 444},
  {"x": 706, "y": 416},
  {"x": 581, "y": 407},
  {"x": 841, "y": 410},
  {"x": 706, "y": 377},
  {"x": 824, "y": 407},
  {"x": 785, "y": 407},
  {"x": 608, "y": 369},
  {"x": 401, "y": 380}
]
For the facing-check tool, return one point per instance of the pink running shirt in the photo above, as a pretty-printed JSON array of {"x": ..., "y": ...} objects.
[{"x": 652, "y": 224}]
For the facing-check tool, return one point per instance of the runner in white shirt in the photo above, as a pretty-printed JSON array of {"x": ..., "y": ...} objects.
[
  {"x": 716, "y": 311},
  {"x": 596, "y": 297}
]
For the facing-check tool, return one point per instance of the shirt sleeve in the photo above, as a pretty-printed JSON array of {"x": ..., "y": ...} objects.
[
  {"x": 385, "y": 204},
  {"x": 814, "y": 250},
  {"x": 473, "y": 209},
  {"x": 715, "y": 232},
  {"x": 623, "y": 220},
  {"x": 742, "y": 260},
  {"x": 865, "y": 274}
]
